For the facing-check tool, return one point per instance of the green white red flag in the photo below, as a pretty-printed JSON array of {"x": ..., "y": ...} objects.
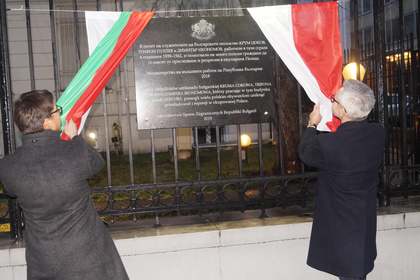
[{"x": 110, "y": 39}]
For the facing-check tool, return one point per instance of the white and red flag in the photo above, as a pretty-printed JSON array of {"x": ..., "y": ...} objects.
[{"x": 307, "y": 39}]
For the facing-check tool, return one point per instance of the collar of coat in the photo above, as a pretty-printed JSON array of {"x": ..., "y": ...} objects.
[
  {"x": 351, "y": 124},
  {"x": 46, "y": 135}
]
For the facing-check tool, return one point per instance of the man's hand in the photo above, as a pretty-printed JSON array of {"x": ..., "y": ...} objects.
[
  {"x": 314, "y": 117},
  {"x": 70, "y": 129}
]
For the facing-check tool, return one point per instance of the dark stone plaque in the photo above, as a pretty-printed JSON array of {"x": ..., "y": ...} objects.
[{"x": 200, "y": 71}]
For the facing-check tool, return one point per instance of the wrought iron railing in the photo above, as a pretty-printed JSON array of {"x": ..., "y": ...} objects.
[
  {"x": 401, "y": 181},
  {"x": 198, "y": 197}
]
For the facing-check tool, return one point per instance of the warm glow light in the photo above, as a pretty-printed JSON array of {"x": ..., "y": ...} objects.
[
  {"x": 350, "y": 71},
  {"x": 245, "y": 140},
  {"x": 92, "y": 135}
]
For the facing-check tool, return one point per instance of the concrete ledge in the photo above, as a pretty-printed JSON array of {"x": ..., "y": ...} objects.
[{"x": 273, "y": 248}]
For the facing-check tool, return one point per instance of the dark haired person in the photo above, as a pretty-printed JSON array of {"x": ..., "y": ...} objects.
[
  {"x": 343, "y": 238},
  {"x": 64, "y": 237}
]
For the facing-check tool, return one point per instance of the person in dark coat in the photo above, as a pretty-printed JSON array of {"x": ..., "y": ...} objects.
[
  {"x": 343, "y": 238},
  {"x": 64, "y": 237}
]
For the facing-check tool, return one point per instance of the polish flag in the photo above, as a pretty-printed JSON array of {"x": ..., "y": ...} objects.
[{"x": 307, "y": 39}]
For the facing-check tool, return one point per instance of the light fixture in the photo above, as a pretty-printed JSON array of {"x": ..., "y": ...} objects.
[
  {"x": 245, "y": 141},
  {"x": 354, "y": 71},
  {"x": 92, "y": 135}
]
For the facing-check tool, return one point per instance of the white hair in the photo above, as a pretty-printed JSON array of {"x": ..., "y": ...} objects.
[{"x": 357, "y": 99}]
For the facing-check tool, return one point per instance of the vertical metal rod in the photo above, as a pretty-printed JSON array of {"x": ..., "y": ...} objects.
[
  {"x": 403, "y": 104},
  {"x": 54, "y": 49},
  {"x": 197, "y": 154},
  {"x": 411, "y": 77},
  {"x": 300, "y": 118},
  {"x": 219, "y": 165},
  {"x": 403, "y": 108},
  {"x": 127, "y": 105},
  {"x": 6, "y": 96},
  {"x": 238, "y": 139},
  {"x": 175, "y": 153},
  {"x": 260, "y": 150},
  {"x": 152, "y": 140},
  {"x": 76, "y": 32},
  {"x": 381, "y": 66},
  {"x": 280, "y": 146},
  {"x": 30, "y": 49},
  {"x": 106, "y": 124},
  {"x": 356, "y": 53}
]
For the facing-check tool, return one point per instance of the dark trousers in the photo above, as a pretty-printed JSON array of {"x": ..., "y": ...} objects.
[{"x": 350, "y": 278}]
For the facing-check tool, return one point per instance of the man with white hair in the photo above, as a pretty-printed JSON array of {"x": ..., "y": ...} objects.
[{"x": 343, "y": 238}]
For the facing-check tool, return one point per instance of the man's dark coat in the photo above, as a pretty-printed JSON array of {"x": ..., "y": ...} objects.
[
  {"x": 64, "y": 237},
  {"x": 343, "y": 239}
]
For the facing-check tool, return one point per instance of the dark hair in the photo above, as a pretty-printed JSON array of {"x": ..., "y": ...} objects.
[{"x": 31, "y": 109}]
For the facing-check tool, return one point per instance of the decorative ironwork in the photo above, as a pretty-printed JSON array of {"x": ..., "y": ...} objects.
[
  {"x": 401, "y": 181},
  {"x": 198, "y": 197}
]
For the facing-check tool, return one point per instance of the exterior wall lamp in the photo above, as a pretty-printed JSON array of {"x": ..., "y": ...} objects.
[{"x": 354, "y": 71}]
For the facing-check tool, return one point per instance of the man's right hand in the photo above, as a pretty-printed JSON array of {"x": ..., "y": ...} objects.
[{"x": 70, "y": 129}]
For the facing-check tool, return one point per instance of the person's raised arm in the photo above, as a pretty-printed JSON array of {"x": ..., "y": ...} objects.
[
  {"x": 94, "y": 160},
  {"x": 309, "y": 148}
]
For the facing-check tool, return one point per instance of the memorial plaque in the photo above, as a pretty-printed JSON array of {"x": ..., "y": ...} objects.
[{"x": 201, "y": 71}]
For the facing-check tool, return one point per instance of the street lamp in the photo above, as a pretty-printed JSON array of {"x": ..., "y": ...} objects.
[
  {"x": 92, "y": 138},
  {"x": 354, "y": 71},
  {"x": 245, "y": 143}
]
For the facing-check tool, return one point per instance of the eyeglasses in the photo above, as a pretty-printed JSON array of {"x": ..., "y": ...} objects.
[
  {"x": 59, "y": 109},
  {"x": 333, "y": 100}
]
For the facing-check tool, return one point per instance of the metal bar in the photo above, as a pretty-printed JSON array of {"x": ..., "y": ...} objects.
[
  {"x": 219, "y": 165},
  {"x": 197, "y": 154},
  {"x": 175, "y": 153},
  {"x": 108, "y": 153},
  {"x": 356, "y": 55},
  {"x": 152, "y": 142},
  {"x": 279, "y": 148},
  {"x": 299, "y": 99},
  {"x": 127, "y": 104},
  {"x": 260, "y": 150},
  {"x": 5, "y": 89},
  {"x": 30, "y": 49},
  {"x": 76, "y": 33},
  {"x": 54, "y": 49},
  {"x": 16, "y": 221},
  {"x": 403, "y": 109},
  {"x": 106, "y": 124},
  {"x": 403, "y": 104},
  {"x": 410, "y": 62},
  {"x": 381, "y": 68},
  {"x": 238, "y": 139}
]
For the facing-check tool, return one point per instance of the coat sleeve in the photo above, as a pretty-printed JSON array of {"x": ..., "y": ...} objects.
[
  {"x": 93, "y": 159},
  {"x": 310, "y": 150}
]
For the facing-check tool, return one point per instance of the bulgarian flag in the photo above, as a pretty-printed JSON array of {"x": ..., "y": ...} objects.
[
  {"x": 110, "y": 36},
  {"x": 307, "y": 39}
]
